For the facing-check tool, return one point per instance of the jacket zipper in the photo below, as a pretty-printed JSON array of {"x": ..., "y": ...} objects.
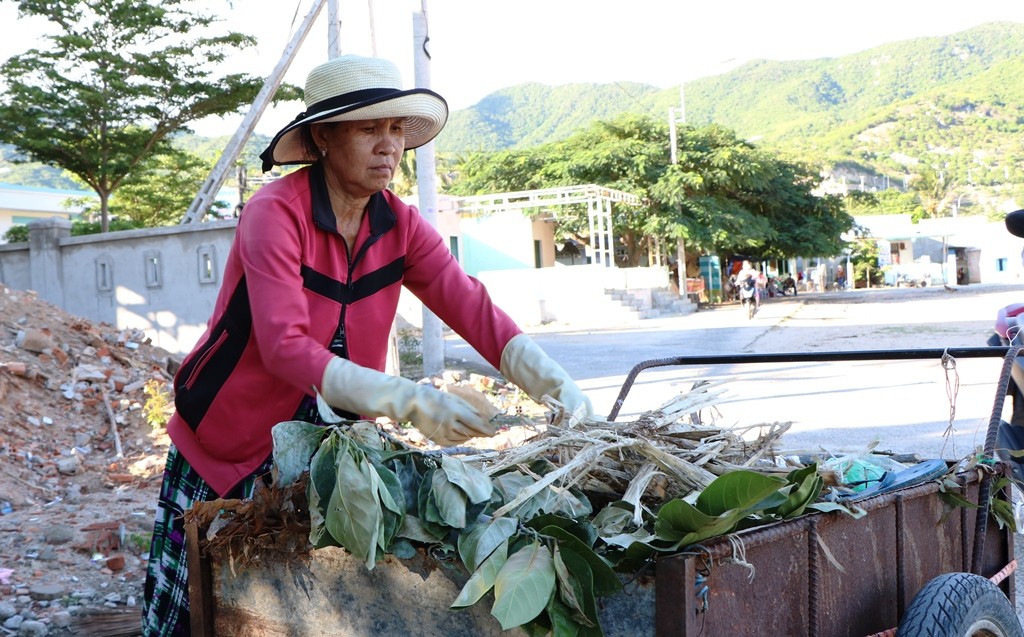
[{"x": 352, "y": 262}]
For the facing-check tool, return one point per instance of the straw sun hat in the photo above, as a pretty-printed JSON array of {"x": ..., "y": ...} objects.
[{"x": 351, "y": 87}]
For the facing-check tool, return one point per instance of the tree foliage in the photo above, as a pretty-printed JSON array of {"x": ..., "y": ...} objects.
[
  {"x": 162, "y": 188},
  {"x": 118, "y": 79},
  {"x": 724, "y": 195}
]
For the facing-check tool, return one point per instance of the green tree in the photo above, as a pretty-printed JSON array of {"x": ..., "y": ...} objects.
[
  {"x": 723, "y": 195},
  {"x": 864, "y": 257},
  {"x": 932, "y": 189},
  {"x": 118, "y": 79},
  {"x": 733, "y": 197},
  {"x": 162, "y": 188},
  {"x": 628, "y": 153}
]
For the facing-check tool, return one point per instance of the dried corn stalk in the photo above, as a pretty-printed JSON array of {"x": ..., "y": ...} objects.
[{"x": 661, "y": 454}]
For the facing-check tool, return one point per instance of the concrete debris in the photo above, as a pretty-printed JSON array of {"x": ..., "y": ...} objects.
[{"x": 75, "y": 504}]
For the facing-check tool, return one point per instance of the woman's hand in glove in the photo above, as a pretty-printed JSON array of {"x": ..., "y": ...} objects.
[
  {"x": 524, "y": 363},
  {"x": 444, "y": 418}
]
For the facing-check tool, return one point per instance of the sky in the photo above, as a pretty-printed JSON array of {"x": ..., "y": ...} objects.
[{"x": 480, "y": 46}]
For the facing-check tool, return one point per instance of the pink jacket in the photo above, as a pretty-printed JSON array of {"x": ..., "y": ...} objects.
[{"x": 288, "y": 280}]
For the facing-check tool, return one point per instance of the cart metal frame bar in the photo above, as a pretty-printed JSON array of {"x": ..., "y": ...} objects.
[{"x": 804, "y": 357}]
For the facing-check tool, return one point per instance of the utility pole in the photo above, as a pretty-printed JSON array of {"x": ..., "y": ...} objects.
[
  {"x": 426, "y": 179},
  {"x": 680, "y": 244}
]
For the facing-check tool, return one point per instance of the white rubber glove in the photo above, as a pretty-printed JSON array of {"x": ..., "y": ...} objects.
[
  {"x": 524, "y": 363},
  {"x": 444, "y": 418}
]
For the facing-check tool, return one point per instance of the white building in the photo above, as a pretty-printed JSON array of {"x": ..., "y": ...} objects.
[{"x": 961, "y": 250}]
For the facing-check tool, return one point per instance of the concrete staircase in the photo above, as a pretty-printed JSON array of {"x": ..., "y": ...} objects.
[{"x": 647, "y": 303}]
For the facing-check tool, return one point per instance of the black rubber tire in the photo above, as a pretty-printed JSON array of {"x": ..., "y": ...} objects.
[{"x": 960, "y": 605}]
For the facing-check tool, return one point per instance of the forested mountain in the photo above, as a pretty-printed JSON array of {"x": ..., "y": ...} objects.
[
  {"x": 769, "y": 100},
  {"x": 953, "y": 105},
  {"x": 531, "y": 114},
  {"x": 31, "y": 174}
]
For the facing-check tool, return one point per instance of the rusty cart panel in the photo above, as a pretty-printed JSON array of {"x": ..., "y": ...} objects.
[{"x": 887, "y": 557}]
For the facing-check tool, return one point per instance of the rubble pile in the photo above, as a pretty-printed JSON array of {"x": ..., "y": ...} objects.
[{"x": 80, "y": 464}]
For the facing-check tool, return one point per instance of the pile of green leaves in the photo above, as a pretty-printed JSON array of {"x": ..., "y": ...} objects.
[{"x": 548, "y": 558}]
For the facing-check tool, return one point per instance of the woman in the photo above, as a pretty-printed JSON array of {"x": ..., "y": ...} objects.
[{"x": 310, "y": 291}]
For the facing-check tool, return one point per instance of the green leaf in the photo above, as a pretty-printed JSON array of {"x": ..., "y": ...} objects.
[
  {"x": 354, "y": 514},
  {"x": 613, "y": 520},
  {"x": 523, "y": 586},
  {"x": 540, "y": 626},
  {"x": 450, "y": 500},
  {"x": 410, "y": 479},
  {"x": 957, "y": 500},
  {"x": 562, "y": 500},
  {"x": 391, "y": 512},
  {"x": 477, "y": 544},
  {"x": 366, "y": 433},
  {"x": 805, "y": 493},
  {"x": 581, "y": 528},
  {"x": 736, "y": 490},
  {"x": 718, "y": 509},
  {"x": 1002, "y": 511},
  {"x": 580, "y": 569},
  {"x": 570, "y": 590},
  {"x": 403, "y": 549},
  {"x": 511, "y": 483},
  {"x": 606, "y": 582},
  {"x": 475, "y": 483},
  {"x": 427, "y": 506},
  {"x": 391, "y": 493},
  {"x": 678, "y": 518},
  {"x": 563, "y": 623},
  {"x": 625, "y": 540},
  {"x": 483, "y": 578},
  {"x": 323, "y": 475},
  {"x": 295, "y": 442},
  {"x": 417, "y": 530}
]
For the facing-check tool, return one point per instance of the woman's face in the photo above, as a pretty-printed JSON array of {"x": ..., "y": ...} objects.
[{"x": 362, "y": 155}]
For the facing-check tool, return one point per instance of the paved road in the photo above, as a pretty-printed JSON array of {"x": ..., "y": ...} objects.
[{"x": 842, "y": 407}]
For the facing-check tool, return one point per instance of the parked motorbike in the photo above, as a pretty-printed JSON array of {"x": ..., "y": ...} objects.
[{"x": 1008, "y": 327}]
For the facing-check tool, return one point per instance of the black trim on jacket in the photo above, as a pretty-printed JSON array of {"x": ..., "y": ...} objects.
[{"x": 201, "y": 378}]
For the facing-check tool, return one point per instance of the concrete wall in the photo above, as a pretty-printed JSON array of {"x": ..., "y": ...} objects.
[
  {"x": 14, "y": 266},
  {"x": 163, "y": 281}
]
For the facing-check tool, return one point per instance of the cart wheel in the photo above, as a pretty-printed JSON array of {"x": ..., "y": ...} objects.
[{"x": 960, "y": 605}]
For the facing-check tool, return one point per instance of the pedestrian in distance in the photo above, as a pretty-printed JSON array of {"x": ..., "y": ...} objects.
[
  {"x": 308, "y": 296},
  {"x": 747, "y": 282},
  {"x": 789, "y": 285}
]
